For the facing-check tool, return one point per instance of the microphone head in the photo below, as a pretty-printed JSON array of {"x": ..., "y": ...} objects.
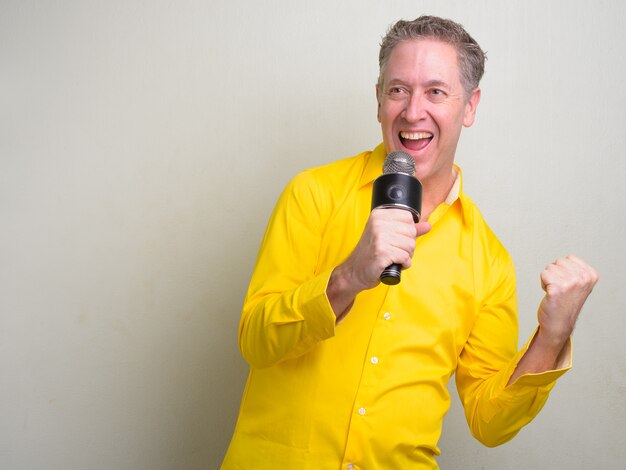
[{"x": 399, "y": 162}]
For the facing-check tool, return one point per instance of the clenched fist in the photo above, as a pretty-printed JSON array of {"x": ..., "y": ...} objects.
[{"x": 567, "y": 283}]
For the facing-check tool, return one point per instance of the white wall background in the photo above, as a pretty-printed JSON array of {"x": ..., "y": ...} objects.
[{"x": 143, "y": 145}]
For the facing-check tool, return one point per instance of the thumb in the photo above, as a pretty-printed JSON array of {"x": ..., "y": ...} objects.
[{"x": 422, "y": 228}]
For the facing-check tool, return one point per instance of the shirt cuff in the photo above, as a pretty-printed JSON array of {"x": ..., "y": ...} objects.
[
  {"x": 562, "y": 365},
  {"x": 315, "y": 308}
]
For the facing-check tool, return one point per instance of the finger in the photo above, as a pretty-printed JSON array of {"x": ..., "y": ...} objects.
[
  {"x": 390, "y": 213},
  {"x": 547, "y": 279},
  {"x": 577, "y": 269},
  {"x": 573, "y": 263},
  {"x": 568, "y": 273},
  {"x": 422, "y": 228},
  {"x": 570, "y": 262},
  {"x": 404, "y": 243},
  {"x": 393, "y": 220},
  {"x": 402, "y": 257},
  {"x": 551, "y": 275},
  {"x": 584, "y": 267}
]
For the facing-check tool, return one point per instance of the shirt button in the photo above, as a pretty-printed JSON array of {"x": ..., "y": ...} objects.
[
  {"x": 374, "y": 360},
  {"x": 362, "y": 411},
  {"x": 350, "y": 466},
  {"x": 387, "y": 316}
]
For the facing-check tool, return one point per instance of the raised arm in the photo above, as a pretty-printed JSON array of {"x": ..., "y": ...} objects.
[{"x": 567, "y": 283}]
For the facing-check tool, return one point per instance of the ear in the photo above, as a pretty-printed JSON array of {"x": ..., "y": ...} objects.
[
  {"x": 378, "y": 101},
  {"x": 470, "y": 108}
]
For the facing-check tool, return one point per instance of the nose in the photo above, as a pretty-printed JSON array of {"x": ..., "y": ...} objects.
[{"x": 415, "y": 109}]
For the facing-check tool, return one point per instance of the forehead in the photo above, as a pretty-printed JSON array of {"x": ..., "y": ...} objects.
[{"x": 423, "y": 58}]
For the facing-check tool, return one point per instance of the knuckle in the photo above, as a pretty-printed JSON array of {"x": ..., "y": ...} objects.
[{"x": 375, "y": 223}]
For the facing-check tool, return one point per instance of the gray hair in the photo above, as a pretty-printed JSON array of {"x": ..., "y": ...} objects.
[{"x": 470, "y": 56}]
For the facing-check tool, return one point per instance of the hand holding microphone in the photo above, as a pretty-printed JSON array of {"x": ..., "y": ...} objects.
[
  {"x": 397, "y": 188},
  {"x": 388, "y": 241}
]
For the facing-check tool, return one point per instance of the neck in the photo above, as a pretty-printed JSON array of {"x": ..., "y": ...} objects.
[{"x": 434, "y": 193}]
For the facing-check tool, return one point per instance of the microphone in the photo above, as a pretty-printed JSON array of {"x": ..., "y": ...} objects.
[{"x": 397, "y": 188}]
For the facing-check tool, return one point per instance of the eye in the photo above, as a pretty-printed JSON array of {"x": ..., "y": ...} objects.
[
  {"x": 437, "y": 94},
  {"x": 397, "y": 91}
]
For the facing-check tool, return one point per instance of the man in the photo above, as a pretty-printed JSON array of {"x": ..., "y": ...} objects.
[{"x": 349, "y": 373}]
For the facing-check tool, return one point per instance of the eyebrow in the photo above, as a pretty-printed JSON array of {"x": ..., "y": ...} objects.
[
  {"x": 427, "y": 84},
  {"x": 437, "y": 83}
]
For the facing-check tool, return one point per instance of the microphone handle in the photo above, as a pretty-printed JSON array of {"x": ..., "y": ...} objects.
[{"x": 391, "y": 274}]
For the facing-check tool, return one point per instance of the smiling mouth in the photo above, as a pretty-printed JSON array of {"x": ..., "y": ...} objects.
[{"x": 415, "y": 140}]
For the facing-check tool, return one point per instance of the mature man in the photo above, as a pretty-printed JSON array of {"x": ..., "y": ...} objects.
[{"x": 347, "y": 372}]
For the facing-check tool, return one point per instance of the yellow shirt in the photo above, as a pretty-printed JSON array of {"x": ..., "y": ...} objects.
[{"x": 370, "y": 392}]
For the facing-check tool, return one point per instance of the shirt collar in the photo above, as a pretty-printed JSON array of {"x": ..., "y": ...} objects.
[
  {"x": 455, "y": 191},
  {"x": 456, "y": 194},
  {"x": 374, "y": 168}
]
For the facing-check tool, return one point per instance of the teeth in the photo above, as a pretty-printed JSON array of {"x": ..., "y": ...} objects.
[{"x": 415, "y": 135}]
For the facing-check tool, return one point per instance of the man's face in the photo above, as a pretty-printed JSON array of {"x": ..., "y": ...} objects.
[{"x": 422, "y": 107}]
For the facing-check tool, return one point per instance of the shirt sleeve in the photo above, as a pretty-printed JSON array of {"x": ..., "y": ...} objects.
[
  {"x": 494, "y": 411},
  {"x": 286, "y": 311}
]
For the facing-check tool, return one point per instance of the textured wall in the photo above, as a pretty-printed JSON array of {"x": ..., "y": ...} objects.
[{"x": 143, "y": 145}]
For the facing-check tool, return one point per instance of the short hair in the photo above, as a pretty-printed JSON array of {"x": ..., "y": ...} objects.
[{"x": 471, "y": 57}]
